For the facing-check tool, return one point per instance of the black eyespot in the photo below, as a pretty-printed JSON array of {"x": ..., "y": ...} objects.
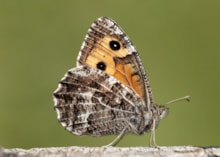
[
  {"x": 114, "y": 45},
  {"x": 101, "y": 66},
  {"x": 133, "y": 121}
]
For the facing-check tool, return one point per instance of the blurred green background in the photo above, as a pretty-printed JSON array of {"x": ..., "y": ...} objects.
[{"x": 178, "y": 41}]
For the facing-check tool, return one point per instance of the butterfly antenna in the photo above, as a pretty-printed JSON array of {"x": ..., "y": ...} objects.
[{"x": 187, "y": 98}]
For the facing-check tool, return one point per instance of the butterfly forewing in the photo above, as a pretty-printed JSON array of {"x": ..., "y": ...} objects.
[{"x": 107, "y": 44}]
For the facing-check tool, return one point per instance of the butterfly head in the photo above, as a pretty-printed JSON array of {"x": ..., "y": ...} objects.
[
  {"x": 162, "y": 112},
  {"x": 156, "y": 114}
]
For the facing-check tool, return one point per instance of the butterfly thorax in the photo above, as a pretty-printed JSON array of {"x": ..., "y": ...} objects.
[{"x": 146, "y": 118}]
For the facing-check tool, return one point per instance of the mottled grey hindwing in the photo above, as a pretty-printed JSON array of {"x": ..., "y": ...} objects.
[{"x": 90, "y": 102}]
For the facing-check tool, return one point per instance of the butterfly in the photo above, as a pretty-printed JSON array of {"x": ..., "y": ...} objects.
[{"x": 108, "y": 92}]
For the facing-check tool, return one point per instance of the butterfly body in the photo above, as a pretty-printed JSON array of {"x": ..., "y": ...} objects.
[{"x": 108, "y": 92}]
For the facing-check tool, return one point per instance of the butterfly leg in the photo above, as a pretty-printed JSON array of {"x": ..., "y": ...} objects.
[
  {"x": 117, "y": 139},
  {"x": 152, "y": 136}
]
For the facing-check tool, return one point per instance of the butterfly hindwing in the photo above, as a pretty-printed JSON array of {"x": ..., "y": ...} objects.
[{"x": 90, "y": 102}]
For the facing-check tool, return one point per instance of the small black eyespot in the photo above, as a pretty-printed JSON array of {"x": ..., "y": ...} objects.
[
  {"x": 114, "y": 45},
  {"x": 133, "y": 121},
  {"x": 101, "y": 66}
]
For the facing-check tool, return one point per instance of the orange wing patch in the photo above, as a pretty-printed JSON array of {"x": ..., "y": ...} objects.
[
  {"x": 116, "y": 63},
  {"x": 126, "y": 74}
]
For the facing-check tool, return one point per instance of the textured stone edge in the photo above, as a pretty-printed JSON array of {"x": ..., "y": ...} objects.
[{"x": 75, "y": 151}]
